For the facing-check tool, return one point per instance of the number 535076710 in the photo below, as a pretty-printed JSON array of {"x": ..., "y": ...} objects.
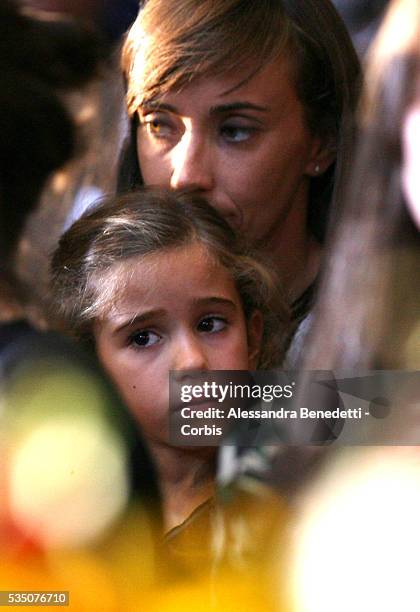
[{"x": 34, "y": 598}]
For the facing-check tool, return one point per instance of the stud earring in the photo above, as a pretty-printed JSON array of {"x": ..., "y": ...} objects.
[{"x": 317, "y": 169}]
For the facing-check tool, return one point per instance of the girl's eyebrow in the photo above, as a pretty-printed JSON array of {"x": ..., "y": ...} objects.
[
  {"x": 214, "y": 300},
  {"x": 138, "y": 319},
  {"x": 160, "y": 312}
]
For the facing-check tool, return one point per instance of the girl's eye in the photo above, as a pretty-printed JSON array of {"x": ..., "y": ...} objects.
[
  {"x": 144, "y": 339},
  {"x": 236, "y": 133},
  {"x": 212, "y": 325}
]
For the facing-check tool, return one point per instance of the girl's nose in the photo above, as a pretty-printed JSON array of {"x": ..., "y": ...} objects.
[
  {"x": 191, "y": 164},
  {"x": 189, "y": 354}
]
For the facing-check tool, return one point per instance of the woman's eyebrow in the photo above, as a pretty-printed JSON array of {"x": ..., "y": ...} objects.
[
  {"x": 236, "y": 106},
  {"x": 155, "y": 105},
  {"x": 217, "y": 109}
]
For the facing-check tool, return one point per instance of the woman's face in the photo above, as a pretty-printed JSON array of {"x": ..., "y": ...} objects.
[
  {"x": 411, "y": 161},
  {"x": 244, "y": 147}
]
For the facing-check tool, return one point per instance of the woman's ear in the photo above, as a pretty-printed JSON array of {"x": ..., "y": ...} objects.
[
  {"x": 322, "y": 155},
  {"x": 255, "y": 329}
]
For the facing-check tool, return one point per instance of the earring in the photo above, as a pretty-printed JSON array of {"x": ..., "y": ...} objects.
[{"x": 317, "y": 169}]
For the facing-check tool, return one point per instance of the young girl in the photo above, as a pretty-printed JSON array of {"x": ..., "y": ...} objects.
[{"x": 160, "y": 282}]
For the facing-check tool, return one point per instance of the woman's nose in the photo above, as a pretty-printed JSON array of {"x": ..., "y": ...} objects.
[{"x": 191, "y": 164}]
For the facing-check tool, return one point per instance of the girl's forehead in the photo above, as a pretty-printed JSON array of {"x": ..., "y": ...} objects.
[
  {"x": 167, "y": 259},
  {"x": 179, "y": 271}
]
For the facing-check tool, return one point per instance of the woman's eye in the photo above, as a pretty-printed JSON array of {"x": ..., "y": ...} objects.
[
  {"x": 158, "y": 126},
  {"x": 236, "y": 133},
  {"x": 212, "y": 325},
  {"x": 144, "y": 338}
]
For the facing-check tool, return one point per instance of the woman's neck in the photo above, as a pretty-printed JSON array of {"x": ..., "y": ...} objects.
[
  {"x": 292, "y": 248},
  {"x": 298, "y": 266},
  {"x": 186, "y": 478}
]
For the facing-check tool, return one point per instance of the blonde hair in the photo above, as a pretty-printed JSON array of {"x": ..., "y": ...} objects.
[{"x": 146, "y": 222}]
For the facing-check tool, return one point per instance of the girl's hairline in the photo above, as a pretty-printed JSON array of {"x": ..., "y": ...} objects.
[{"x": 119, "y": 267}]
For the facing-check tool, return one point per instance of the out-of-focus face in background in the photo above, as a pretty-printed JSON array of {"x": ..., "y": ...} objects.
[{"x": 411, "y": 160}]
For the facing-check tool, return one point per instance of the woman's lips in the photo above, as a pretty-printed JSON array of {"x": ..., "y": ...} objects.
[{"x": 231, "y": 213}]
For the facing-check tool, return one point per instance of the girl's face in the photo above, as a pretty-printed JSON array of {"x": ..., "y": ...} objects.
[{"x": 179, "y": 311}]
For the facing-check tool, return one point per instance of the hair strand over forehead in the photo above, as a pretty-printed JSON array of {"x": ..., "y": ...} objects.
[{"x": 171, "y": 43}]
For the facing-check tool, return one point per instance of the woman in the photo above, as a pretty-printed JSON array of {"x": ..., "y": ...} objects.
[{"x": 249, "y": 104}]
